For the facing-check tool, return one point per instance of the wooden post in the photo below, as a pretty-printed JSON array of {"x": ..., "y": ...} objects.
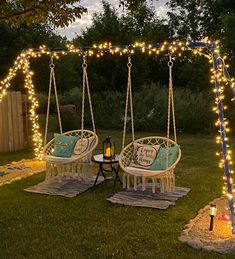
[{"x": 12, "y": 136}]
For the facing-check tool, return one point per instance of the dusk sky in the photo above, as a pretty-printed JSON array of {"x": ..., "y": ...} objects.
[{"x": 96, "y": 6}]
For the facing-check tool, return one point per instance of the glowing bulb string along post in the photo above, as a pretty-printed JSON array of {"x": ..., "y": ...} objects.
[
  {"x": 4, "y": 84},
  {"x": 37, "y": 137},
  {"x": 226, "y": 161}
]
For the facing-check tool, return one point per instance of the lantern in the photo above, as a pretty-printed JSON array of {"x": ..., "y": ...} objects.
[
  {"x": 108, "y": 148},
  {"x": 213, "y": 211}
]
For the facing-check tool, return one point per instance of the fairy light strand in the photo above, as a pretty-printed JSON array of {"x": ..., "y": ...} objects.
[{"x": 219, "y": 76}]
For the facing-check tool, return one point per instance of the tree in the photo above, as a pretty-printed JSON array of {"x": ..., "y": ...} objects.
[
  {"x": 105, "y": 27},
  {"x": 201, "y": 18},
  {"x": 58, "y": 13},
  {"x": 24, "y": 37},
  {"x": 142, "y": 25}
]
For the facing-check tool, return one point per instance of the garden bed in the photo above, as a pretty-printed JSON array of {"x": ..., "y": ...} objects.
[{"x": 198, "y": 235}]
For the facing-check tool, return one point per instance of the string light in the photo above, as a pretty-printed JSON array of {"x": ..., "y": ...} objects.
[
  {"x": 220, "y": 78},
  {"x": 208, "y": 49}
]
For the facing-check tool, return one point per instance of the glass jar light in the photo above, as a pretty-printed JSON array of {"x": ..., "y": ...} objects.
[{"x": 108, "y": 148}]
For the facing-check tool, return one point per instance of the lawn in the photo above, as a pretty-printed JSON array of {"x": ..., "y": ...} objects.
[{"x": 40, "y": 226}]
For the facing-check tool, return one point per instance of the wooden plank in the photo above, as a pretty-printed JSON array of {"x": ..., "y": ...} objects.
[
  {"x": 15, "y": 124},
  {"x": 25, "y": 118},
  {"x": 5, "y": 125},
  {"x": 10, "y": 125},
  {"x": 1, "y": 128},
  {"x": 20, "y": 120}
]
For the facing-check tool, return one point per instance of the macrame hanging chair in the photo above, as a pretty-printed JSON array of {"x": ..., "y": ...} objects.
[
  {"x": 134, "y": 176},
  {"x": 77, "y": 163}
]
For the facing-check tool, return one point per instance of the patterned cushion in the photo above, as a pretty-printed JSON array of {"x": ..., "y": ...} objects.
[
  {"x": 144, "y": 155},
  {"x": 83, "y": 145},
  {"x": 64, "y": 145},
  {"x": 160, "y": 162}
]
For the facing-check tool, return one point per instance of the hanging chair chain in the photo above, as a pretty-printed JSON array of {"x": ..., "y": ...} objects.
[
  {"x": 171, "y": 106},
  {"x": 85, "y": 84},
  {"x": 52, "y": 81},
  {"x": 129, "y": 95}
]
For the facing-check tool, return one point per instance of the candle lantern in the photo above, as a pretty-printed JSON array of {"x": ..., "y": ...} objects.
[
  {"x": 213, "y": 211},
  {"x": 108, "y": 148}
]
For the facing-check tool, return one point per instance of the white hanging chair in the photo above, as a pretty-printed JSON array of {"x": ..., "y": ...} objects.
[
  {"x": 135, "y": 176},
  {"x": 86, "y": 134},
  {"x": 76, "y": 164}
]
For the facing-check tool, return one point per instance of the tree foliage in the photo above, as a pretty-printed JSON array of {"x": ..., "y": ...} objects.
[
  {"x": 58, "y": 13},
  {"x": 23, "y": 37},
  {"x": 141, "y": 25},
  {"x": 201, "y": 18}
]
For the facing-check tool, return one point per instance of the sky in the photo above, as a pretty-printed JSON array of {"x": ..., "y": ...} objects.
[{"x": 92, "y": 6}]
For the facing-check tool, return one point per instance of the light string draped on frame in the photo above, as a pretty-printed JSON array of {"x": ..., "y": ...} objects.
[{"x": 226, "y": 161}]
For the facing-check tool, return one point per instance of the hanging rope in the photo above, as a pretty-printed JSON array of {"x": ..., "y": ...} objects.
[
  {"x": 171, "y": 106},
  {"x": 52, "y": 81},
  {"x": 128, "y": 97},
  {"x": 85, "y": 85},
  {"x": 84, "y": 66}
]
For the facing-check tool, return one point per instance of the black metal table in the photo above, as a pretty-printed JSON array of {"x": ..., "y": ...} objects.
[{"x": 99, "y": 159}]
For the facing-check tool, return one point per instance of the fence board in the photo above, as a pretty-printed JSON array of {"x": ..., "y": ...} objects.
[
  {"x": 12, "y": 129},
  {"x": 20, "y": 119}
]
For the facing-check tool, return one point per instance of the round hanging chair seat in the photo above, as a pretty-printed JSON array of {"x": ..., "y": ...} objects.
[
  {"x": 48, "y": 157},
  {"x": 126, "y": 156}
]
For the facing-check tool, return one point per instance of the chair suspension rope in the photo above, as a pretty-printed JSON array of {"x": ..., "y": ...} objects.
[
  {"x": 131, "y": 100},
  {"x": 170, "y": 63},
  {"x": 84, "y": 66},
  {"x": 85, "y": 85},
  {"x": 171, "y": 107},
  {"x": 48, "y": 104},
  {"x": 172, "y": 97},
  {"x": 52, "y": 81},
  {"x": 128, "y": 96},
  {"x": 90, "y": 103},
  {"x": 56, "y": 97}
]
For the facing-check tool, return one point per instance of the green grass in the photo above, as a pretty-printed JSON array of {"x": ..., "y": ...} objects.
[{"x": 40, "y": 226}]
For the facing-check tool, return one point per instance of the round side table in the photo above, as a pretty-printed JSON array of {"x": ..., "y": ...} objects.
[{"x": 99, "y": 159}]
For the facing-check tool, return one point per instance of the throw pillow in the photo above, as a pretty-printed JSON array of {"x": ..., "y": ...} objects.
[
  {"x": 64, "y": 145},
  {"x": 83, "y": 145},
  {"x": 160, "y": 162},
  {"x": 144, "y": 155}
]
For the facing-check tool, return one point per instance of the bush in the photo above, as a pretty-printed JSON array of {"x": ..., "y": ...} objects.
[{"x": 192, "y": 109}]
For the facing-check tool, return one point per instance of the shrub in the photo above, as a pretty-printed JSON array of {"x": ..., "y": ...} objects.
[{"x": 192, "y": 109}]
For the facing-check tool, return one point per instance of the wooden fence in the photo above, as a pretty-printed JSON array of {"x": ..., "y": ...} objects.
[{"x": 13, "y": 122}]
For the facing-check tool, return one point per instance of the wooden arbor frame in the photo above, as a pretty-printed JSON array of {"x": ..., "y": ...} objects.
[{"x": 208, "y": 49}]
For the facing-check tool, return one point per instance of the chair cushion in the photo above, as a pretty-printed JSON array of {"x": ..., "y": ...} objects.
[
  {"x": 144, "y": 155},
  {"x": 64, "y": 145},
  {"x": 160, "y": 162},
  {"x": 83, "y": 145}
]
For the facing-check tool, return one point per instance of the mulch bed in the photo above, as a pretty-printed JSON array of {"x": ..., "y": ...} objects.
[{"x": 221, "y": 239}]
